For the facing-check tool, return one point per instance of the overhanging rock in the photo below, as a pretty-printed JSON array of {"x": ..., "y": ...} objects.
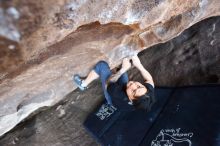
[{"x": 73, "y": 36}]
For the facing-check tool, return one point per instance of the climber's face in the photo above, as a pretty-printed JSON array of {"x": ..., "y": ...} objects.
[{"x": 135, "y": 89}]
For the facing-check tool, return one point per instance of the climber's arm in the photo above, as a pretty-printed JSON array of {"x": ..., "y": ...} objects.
[
  {"x": 126, "y": 65},
  {"x": 145, "y": 74}
]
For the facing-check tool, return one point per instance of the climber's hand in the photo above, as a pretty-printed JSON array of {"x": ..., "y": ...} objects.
[
  {"x": 126, "y": 65},
  {"x": 136, "y": 61}
]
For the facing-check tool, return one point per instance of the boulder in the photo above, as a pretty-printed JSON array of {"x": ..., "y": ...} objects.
[{"x": 56, "y": 39}]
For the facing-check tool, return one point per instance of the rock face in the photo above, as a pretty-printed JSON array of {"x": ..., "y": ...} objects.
[
  {"x": 193, "y": 58},
  {"x": 55, "y": 39}
]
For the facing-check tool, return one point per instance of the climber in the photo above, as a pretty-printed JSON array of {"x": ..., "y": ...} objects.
[{"x": 117, "y": 87}]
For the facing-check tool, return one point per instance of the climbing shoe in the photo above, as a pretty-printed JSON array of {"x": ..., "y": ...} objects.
[{"x": 78, "y": 81}]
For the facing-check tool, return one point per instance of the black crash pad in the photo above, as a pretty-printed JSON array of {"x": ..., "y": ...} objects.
[{"x": 183, "y": 116}]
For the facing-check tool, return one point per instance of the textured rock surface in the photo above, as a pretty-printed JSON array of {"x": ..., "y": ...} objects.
[
  {"x": 60, "y": 38},
  {"x": 157, "y": 20},
  {"x": 7, "y": 28},
  {"x": 192, "y": 58}
]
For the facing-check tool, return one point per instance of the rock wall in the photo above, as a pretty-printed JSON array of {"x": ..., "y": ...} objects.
[
  {"x": 56, "y": 39},
  {"x": 193, "y": 58}
]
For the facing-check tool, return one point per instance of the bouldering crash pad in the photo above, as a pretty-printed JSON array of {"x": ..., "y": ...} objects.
[{"x": 181, "y": 116}]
